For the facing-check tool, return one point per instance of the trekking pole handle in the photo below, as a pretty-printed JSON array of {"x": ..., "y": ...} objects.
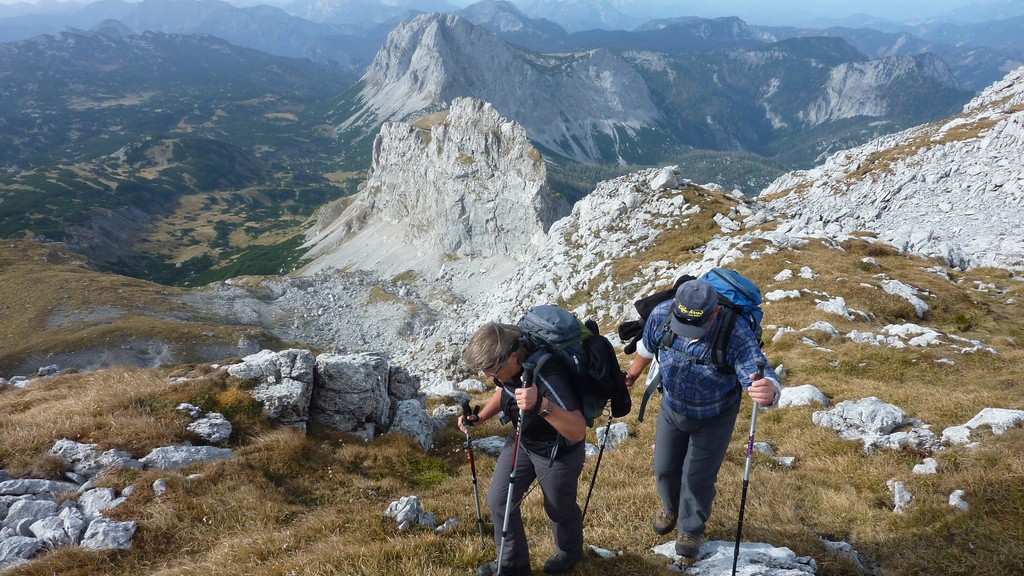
[
  {"x": 467, "y": 412},
  {"x": 528, "y": 369}
]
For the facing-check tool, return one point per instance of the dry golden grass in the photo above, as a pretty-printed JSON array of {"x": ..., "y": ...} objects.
[{"x": 290, "y": 504}]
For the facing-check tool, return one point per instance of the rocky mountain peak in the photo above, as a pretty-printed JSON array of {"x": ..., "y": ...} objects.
[
  {"x": 464, "y": 183},
  {"x": 572, "y": 104}
]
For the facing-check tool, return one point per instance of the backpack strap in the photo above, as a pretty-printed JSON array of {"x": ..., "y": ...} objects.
[
  {"x": 723, "y": 332},
  {"x": 655, "y": 383}
]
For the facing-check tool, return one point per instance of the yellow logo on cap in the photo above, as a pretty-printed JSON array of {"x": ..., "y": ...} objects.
[{"x": 683, "y": 311}]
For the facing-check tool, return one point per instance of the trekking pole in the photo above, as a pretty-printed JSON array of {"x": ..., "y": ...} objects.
[
  {"x": 528, "y": 368},
  {"x": 593, "y": 479},
  {"x": 466, "y": 413},
  {"x": 746, "y": 473}
]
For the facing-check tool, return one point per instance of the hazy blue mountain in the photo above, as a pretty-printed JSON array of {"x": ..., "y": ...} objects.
[
  {"x": 975, "y": 67},
  {"x": 796, "y": 98},
  {"x": 265, "y": 28},
  {"x": 503, "y": 18},
  {"x": 1006, "y": 35},
  {"x": 364, "y": 13},
  {"x": 577, "y": 15}
]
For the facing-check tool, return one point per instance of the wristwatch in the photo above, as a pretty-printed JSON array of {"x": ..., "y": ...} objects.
[{"x": 545, "y": 410}]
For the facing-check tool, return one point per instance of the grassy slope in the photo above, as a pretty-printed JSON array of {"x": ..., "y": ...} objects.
[
  {"x": 290, "y": 504},
  {"x": 52, "y": 303}
]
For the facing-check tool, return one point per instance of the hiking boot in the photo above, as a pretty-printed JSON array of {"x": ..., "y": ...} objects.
[
  {"x": 491, "y": 568},
  {"x": 561, "y": 562},
  {"x": 663, "y": 522},
  {"x": 688, "y": 546}
]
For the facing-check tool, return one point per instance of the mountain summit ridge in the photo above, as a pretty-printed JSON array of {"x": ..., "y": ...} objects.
[{"x": 435, "y": 58}]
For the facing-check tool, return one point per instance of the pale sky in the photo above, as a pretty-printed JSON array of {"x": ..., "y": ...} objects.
[{"x": 755, "y": 11}]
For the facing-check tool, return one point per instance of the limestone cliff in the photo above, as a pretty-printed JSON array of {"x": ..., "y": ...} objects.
[{"x": 456, "y": 184}]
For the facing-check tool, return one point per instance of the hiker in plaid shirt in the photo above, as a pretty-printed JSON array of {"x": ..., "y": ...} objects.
[{"x": 699, "y": 405}]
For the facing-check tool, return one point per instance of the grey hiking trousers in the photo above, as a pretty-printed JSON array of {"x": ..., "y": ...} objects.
[
  {"x": 558, "y": 480},
  {"x": 688, "y": 454}
]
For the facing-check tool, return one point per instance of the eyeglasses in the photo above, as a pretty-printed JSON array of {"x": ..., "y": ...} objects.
[{"x": 492, "y": 370}]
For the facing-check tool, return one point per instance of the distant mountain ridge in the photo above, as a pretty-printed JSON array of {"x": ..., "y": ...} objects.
[
  {"x": 599, "y": 106},
  {"x": 572, "y": 104}
]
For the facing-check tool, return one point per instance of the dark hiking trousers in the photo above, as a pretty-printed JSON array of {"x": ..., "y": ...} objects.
[
  {"x": 688, "y": 454},
  {"x": 559, "y": 480}
]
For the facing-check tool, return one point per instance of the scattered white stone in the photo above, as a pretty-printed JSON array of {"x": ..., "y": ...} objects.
[
  {"x": 776, "y": 295},
  {"x": 755, "y": 558},
  {"x": 998, "y": 419},
  {"x": 803, "y": 395},
  {"x": 783, "y": 330},
  {"x": 877, "y": 425},
  {"x": 846, "y": 549},
  {"x": 213, "y": 428},
  {"x": 836, "y": 306},
  {"x": 956, "y": 500},
  {"x": 490, "y": 445},
  {"x": 408, "y": 511},
  {"x": 159, "y": 486},
  {"x": 824, "y": 327},
  {"x": 603, "y": 552},
  {"x": 901, "y": 496},
  {"x": 192, "y": 410},
  {"x": 908, "y": 293},
  {"x": 928, "y": 466},
  {"x": 104, "y": 534},
  {"x": 448, "y": 526},
  {"x": 785, "y": 462},
  {"x": 618, "y": 434}
]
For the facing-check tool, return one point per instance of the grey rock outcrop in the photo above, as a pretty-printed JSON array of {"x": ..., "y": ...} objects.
[
  {"x": 284, "y": 386},
  {"x": 859, "y": 88},
  {"x": 212, "y": 427},
  {"x": 178, "y": 457},
  {"x": 364, "y": 394},
  {"x": 877, "y": 424},
  {"x": 465, "y": 183},
  {"x": 716, "y": 557},
  {"x": 86, "y": 460},
  {"x": 999, "y": 420},
  {"x": 351, "y": 391}
]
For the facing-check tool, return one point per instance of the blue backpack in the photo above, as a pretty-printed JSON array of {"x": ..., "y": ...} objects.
[
  {"x": 552, "y": 332},
  {"x": 740, "y": 298}
]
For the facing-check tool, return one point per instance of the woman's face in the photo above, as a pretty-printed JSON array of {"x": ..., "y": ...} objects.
[{"x": 505, "y": 371}]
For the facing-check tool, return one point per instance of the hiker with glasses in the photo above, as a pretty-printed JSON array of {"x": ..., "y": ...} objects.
[
  {"x": 545, "y": 444},
  {"x": 699, "y": 406}
]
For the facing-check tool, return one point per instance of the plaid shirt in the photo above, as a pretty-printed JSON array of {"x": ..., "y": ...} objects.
[{"x": 701, "y": 391}]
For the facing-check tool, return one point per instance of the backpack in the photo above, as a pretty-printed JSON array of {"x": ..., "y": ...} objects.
[
  {"x": 551, "y": 331},
  {"x": 738, "y": 297}
]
